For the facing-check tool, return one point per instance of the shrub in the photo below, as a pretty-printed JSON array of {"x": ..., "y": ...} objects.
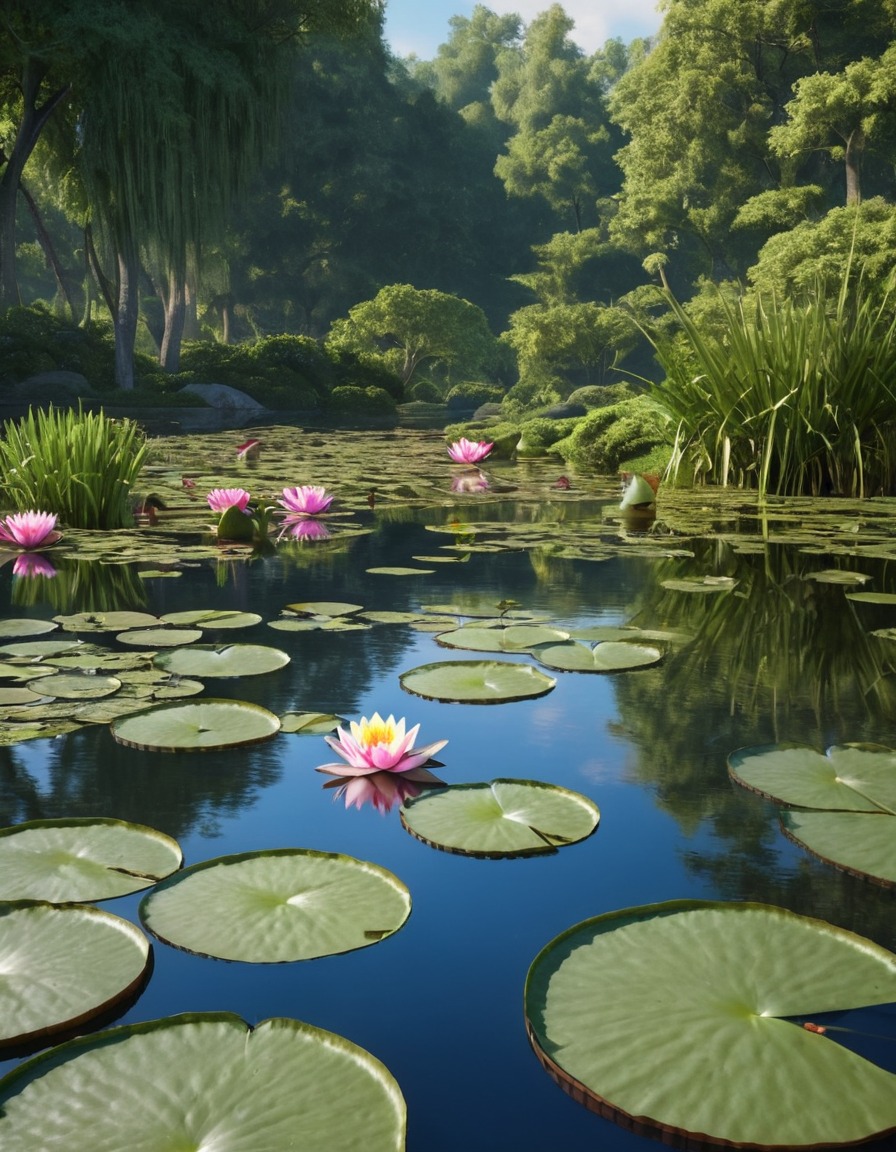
[
  {"x": 608, "y": 438},
  {"x": 351, "y": 400},
  {"x": 600, "y": 395},
  {"x": 80, "y": 465},
  {"x": 426, "y": 391},
  {"x": 32, "y": 340},
  {"x": 537, "y": 436},
  {"x": 471, "y": 396}
]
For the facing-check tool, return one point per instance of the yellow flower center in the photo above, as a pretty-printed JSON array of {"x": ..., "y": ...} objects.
[{"x": 377, "y": 733}]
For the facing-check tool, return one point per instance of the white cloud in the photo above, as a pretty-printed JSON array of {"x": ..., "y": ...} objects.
[{"x": 596, "y": 21}]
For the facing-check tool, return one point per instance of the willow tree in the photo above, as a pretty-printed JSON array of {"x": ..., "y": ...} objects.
[{"x": 174, "y": 125}]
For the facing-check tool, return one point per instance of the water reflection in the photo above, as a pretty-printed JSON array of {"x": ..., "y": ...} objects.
[
  {"x": 70, "y": 585},
  {"x": 381, "y": 789}
]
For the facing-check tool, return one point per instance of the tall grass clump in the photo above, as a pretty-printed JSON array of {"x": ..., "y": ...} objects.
[
  {"x": 80, "y": 465},
  {"x": 794, "y": 396}
]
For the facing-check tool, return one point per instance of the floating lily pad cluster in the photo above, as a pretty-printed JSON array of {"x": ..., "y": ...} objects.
[{"x": 841, "y": 804}]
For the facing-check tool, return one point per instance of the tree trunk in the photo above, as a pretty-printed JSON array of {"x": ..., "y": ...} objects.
[
  {"x": 33, "y": 120},
  {"x": 126, "y": 318},
  {"x": 855, "y": 146},
  {"x": 49, "y": 252},
  {"x": 192, "y": 331},
  {"x": 175, "y": 312}
]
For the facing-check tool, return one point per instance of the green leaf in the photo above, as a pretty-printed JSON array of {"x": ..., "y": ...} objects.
[
  {"x": 863, "y": 843},
  {"x": 222, "y": 660},
  {"x": 872, "y": 597},
  {"x": 106, "y": 621},
  {"x": 212, "y": 618},
  {"x": 10, "y": 628},
  {"x": 399, "y": 571},
  {"x": 202, "y": 726},
  {"x": 324, "y": 608},
  {"x": 848, "y": 777},
  {"x": 701, "y": 584},
  {"x": 202, "y": 1080},
  {"x": 609, "y": 656},
  {"x": 88, "y": 859},
  {"x": 61, "y": 966},
  {"x": 75, "y": 686},
  {"x": 513, "y": 638},
  {"x": 276, "y": 906},
  {"x": 159, "y": 637},
  {"x": 500, "y": 818},
  {"x": 629, "y": 1010},
  {"x": 310, "y": 723},
  {"x": 476, "y": 681}
]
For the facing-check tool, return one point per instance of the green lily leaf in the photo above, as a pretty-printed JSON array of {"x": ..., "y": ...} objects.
[
  {"x": 276, "y": 906},
  {"x": 75, "y": 686},
  {"x": 10, "y": 628},
  {"x": 309, "y": 723},
  {"x": 702, "y": 584},
  {"x": 513, "y": 638},
  {"x": 202, "y": 726},
  {"x": 82, "y": 860},
  {"x": 848, "y": 777},
  {"x": 476, "y": 681},
  {"x": 40, "y": 649},
  {"x": 222, "y": 660},
  {"x": 872, "y": 597},
  {"x": 62, "y": 966},
  {"x": 235, "y": 526},
  {"x": 500, "y": 818},
  {"x": 399, "y": 571},
  {"x": 862, "y": 843},
  {"x": 202, "y": 1080},
  {"x": 629, "y": 1009},
  {"x": 609, "y": 656},
  {"x": 159, "y": 637},
  {"x": 324, "y": 608},
  {"x": 838, "y": 576},
  {"x": 106, "y": 621},
  {"x": 212, "y": 618},
  {"x": 18, "y": 732}
]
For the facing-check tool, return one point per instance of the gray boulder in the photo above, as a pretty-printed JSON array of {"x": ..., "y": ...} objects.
[{"x": 222, "y": 396}]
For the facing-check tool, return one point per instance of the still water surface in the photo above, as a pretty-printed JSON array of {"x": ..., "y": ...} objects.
[{"x": 440, "y": 1003}]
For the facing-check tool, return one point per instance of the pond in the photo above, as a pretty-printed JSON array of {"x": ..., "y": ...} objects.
[{"x": 772, "y": 646}]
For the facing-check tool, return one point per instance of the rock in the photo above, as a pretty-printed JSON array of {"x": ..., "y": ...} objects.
[
  {"x": 563, "y": 411},
  {"x": 222, "y": 396},
  {"x": 54, "y": 385}
]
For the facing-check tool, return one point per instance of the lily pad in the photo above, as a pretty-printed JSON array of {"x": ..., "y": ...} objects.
[
  {"x": 861, "y": 843},
  {"x": 702, "y": 584},
  {"x": 106, "y": 621},
  {"x": 309, "y": 723},
  {"x": 40, "y": 649},
  {"x": 838, "y": 576},
  {"x": 212, "y": 618},
  {"x": 203, "y": 726},
  {"x": 82, "y": 860},
  {"x": 628, "y": 1011},
  {"x": 501, "y": 818},
  {"x": 159, "y": 637},
  {"x": 62, "y": 966},
  {"x": 399, "y": 571},
  {"x": 276, "y": 906},
  {"x": 10, "y": 628},
  {"x": 848, "y": 777},
  {"x": 222, "y": 660},
  {"x": 513, "y": 638},
  {"x": 204, "y": 1080},
  {"x": 872, "y": 597},
  {"x": 476, "y": 681},
  {"x": 75, "y": 686},
  {"x": 609, "y": 656},
  {"x": 324, "y": 608}
]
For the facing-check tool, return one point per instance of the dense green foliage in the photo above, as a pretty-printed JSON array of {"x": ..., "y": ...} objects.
[
  {"x": 498, "y": 223},
  {"x": 80, "y": 465}
]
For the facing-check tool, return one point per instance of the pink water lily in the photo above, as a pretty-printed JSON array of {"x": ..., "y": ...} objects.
[
  {"x": 249, "y": 449},
  {"x": 378, "y": 745},
  {"x": 307, "y": 500},
  {"x": 29, "y": 529},
  {"x": 382, "y": 789},
  {"x": 220, "y": 499},
  {"x": 465, "y": 451},
  {"x": 32, "y": 564}
]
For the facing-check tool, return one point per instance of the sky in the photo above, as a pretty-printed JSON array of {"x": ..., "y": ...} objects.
[{"x": 419, "y": 26}]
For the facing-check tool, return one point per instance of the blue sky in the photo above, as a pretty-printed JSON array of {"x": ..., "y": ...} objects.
[{"x": 420, "y": 26}]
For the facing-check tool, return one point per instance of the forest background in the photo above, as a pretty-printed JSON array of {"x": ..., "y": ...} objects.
[{"x": 501, "y": 222}]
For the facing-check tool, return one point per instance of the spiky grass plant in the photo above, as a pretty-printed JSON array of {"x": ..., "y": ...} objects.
[
  {"x": 80, "y": 465},
  {"x": 792, "y": 396}
]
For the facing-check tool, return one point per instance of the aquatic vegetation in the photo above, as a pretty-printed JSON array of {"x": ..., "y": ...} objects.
[
  {"x": 83, "y": 466},
  {"x": 306, "y": 500},
  {"x": 378, "y": 745},
  {"x": 464, "y": 451},
  {"x": 29, "y": 530}
]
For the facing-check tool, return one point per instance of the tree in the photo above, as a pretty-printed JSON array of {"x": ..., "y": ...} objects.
[
  {"x": 406, "y": 327},
  {"x": 578, "y": 341}
]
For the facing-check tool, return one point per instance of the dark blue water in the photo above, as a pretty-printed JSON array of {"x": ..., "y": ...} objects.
[{"x": 441, "y": 1001}]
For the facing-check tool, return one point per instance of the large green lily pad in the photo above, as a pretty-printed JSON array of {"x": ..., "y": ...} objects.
[
  {"x": 608, "y": 656},
  {"x": 201, "y": 725},
  {"x": 861, "y": 843},
  {"x": 500, "y": 818},
  {"x": 222, "y": 660},
  {"x": 106, "y": 621},
  {"x": 212, "y": 618},
  {"x": 75, "y": 686},
  {"x": 277, "y": 906},
  {"x": 847, "y": 777},
  {"x": 86, "y": 859},
  {"x": 686, "y": 1018},
  {"x": 513, "y": 638},
  {"x": 159, "y": 637},
  {"x": 476, "y": 681},
  {"x": 27, "y": 627},
  {"x": 203, "y": 1081},
  {"x": 60, "y": 966}
]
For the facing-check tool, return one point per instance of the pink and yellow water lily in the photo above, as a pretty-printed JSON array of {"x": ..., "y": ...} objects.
[
  {"x": 465, "y": 451},
  {"x": 378, "y": 745},
  {"x": 28, "y": 530},
  {"x": 306, "y": 500},
  {"x": 220, "y": 499}
]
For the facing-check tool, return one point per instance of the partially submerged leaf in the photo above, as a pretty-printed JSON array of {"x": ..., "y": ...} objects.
[
  {"x": 222, "y": 660},
  {"x": 609, "y": 656},
  {"x": 202, "y": 726},
  {"x": 847, "y": 777},
  {"x": 476, "y": 681}
]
